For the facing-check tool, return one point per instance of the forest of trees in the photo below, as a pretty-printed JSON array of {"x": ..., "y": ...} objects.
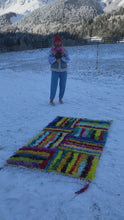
[
  {"x": 105, "y": 26},
  {"x": 109, "y": 27}
]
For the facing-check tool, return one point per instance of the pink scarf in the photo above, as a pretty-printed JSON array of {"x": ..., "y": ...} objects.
[{"x": 56, "y": 49}]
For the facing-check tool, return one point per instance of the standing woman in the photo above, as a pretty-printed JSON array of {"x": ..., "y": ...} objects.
[{"x": 58, "y": 59}]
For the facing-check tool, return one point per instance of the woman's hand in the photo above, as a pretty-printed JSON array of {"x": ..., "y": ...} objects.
[{"x": 58, "y": 55}]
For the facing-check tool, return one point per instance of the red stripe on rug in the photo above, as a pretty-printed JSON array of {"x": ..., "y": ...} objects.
[{"x": 83, "y": 189}]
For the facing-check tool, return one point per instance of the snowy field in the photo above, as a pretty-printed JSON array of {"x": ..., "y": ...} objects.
[{"x": 25, "y": 110}]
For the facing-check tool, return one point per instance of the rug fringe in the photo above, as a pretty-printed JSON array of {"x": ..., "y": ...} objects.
[{"x": 84, "y": 188}]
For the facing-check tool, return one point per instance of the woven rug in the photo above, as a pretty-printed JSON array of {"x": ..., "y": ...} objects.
[{"x": 69, "y": 146}]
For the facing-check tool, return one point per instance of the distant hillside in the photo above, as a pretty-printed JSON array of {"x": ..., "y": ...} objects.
[
  {"x": 111, "y": 5},
  {"x": 74, "y": 21},
  {"x": 55, "y": 16},
  {"x": 5, "y": 19},
  {"x": 109, "y": 25},
  {"x": 22, "y": 7}
]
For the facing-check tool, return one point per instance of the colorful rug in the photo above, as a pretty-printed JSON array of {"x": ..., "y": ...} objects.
[{"x": 69, "y": 146}]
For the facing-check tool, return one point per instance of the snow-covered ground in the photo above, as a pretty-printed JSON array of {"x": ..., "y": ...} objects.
[{"x": 25, "y": 111}]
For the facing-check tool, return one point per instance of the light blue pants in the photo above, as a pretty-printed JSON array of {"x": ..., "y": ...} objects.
[{"x": 55, "y": 77}]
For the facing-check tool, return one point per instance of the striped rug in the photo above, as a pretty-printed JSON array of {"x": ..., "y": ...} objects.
[{"x": 68, "y": 146}]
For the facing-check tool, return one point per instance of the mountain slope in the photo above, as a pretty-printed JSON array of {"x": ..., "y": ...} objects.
[
  {"x": 61, "y": 12},
  {"x": 21, "y": 6},
  {"x": 110, "y": 5}
]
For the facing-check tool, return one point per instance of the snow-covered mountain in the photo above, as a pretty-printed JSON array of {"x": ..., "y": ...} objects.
[
  {"x": 26, "y": 6},
  {"x": 21, "y": 6},
  {"x": 62, "y": 12},
  {"x": 56, "y": 16},
  {"x": 110, "y": 5}
]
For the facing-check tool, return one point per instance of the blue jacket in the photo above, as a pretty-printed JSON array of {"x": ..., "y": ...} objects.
[{"x": 58, "y": 66}]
